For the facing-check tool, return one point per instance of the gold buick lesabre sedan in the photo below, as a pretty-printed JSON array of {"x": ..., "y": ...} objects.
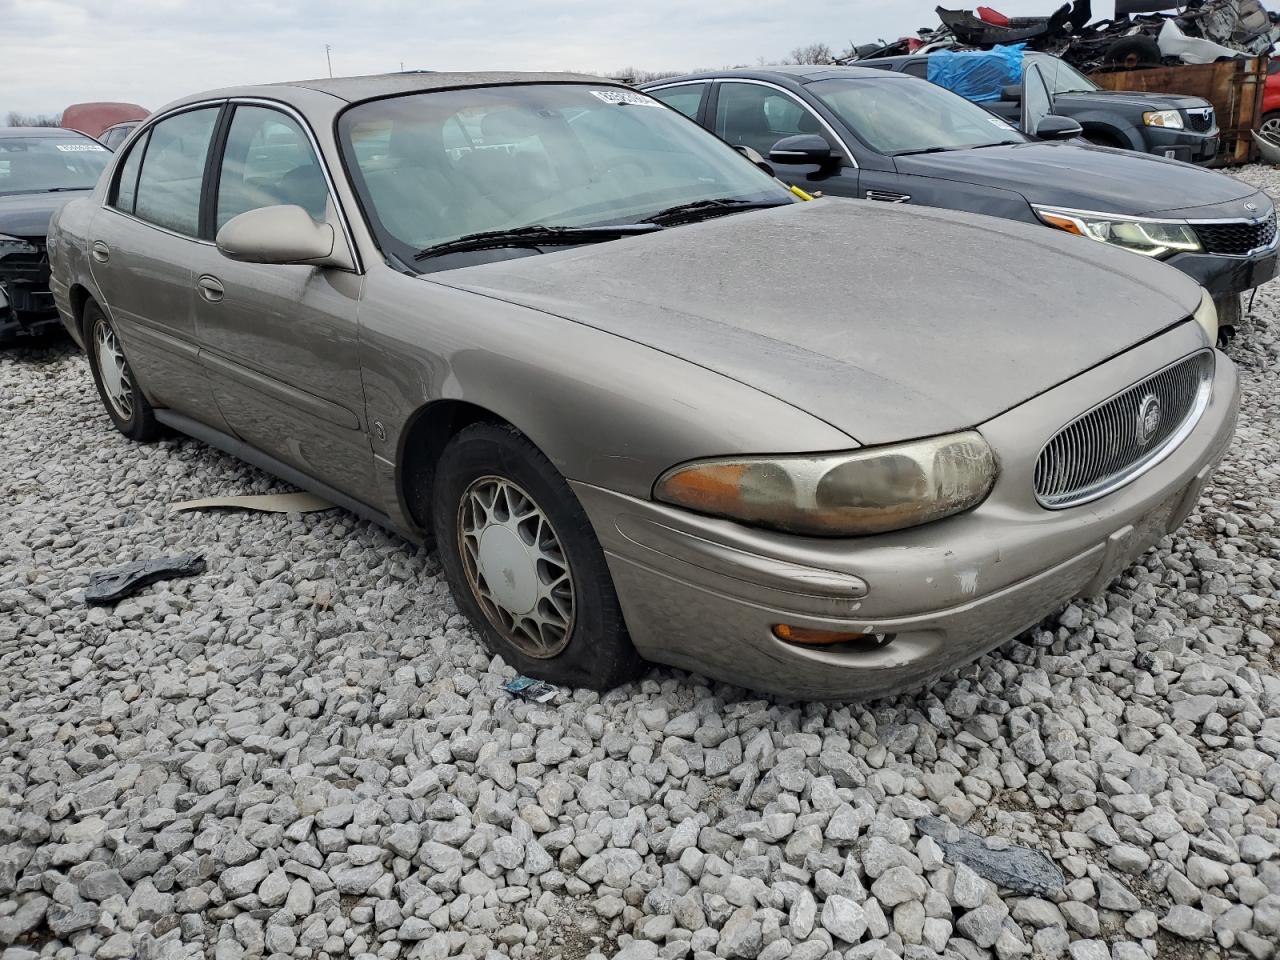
[{"x": 649, "y": 403}]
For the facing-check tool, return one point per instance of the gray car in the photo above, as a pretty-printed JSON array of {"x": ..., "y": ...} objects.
[{"x": 648, "y": 403}]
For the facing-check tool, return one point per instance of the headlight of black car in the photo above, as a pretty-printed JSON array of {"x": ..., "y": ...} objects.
[{"x": 1151, "y": 238}]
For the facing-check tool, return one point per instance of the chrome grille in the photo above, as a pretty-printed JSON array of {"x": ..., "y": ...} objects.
[
  {"x": 1122, "y": 438},
  {"x": 1200, "y": 120},
  {"x": 1238, "y": 237}
]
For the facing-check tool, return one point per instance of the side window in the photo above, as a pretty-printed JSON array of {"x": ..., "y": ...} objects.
[
  {"x": 917, "y": 68},
  {"x": 268, "y": 161},
  {"x": 173, "y": 170},
  {"x": 127, "y": 182},
  {"x": 685, "y": 98},
  {"x": 751, "y": 115}
]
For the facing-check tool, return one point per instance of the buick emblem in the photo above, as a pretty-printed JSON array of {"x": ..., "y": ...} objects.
[
  {"x": 1251, "y": 206},
  {"x": 1148, "y": 418}
]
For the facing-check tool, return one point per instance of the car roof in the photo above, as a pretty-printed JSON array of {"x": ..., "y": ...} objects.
[
  {"x": 42, "y": 133},
  {"x": 797, "y": 73},
  {"x": 358, "y": 89}
]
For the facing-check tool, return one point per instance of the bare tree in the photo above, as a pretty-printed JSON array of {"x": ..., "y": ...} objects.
[
  {"x": 812, "y": 53},
  {"x": 635, "y": 75},
  {"x": 16, "y": 119}
]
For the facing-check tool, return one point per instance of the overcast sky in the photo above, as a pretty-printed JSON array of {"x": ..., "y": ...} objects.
[{"x": 57, "y": 52}]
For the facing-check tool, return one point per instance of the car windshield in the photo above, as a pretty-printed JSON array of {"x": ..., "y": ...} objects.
[
  {"x": 41, "y": 164},
  {"x": 433, "y": 167},
  {"x": 900, "y": 116},
  {"x": 1060, "y": 76}
]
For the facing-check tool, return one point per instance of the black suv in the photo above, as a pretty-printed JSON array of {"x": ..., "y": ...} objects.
[{"x": 1166, "y": 124}]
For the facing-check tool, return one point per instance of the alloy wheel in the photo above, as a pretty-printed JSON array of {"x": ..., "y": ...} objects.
[
  {"x": 1271, "y": 127},
  {"x": 516, "y": 566},
  {"x": 117, "y": 382}
]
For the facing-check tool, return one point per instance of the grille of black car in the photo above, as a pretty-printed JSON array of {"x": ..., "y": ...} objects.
[
  {"x": 1125, "y": 436},
  {"x": 1200, "y": 121},
  {"x": 1237, "y": 237}
]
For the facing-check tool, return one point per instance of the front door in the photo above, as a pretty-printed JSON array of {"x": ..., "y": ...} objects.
[
  {"x": 279, "y": 342},
  {"x": 142, "y": 244},
  {"x": 756, "y": 115}
]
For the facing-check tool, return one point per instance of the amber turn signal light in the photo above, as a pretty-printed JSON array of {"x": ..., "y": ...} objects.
[{"x": 814, "y": 638}]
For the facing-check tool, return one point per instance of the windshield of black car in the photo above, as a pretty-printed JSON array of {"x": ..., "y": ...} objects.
[
  {"x": 432, "y": 167},
  {"x": 899, "y": 115},
  {"x": 1060, "y": 76},
  {"x": 38, "y": 164}
]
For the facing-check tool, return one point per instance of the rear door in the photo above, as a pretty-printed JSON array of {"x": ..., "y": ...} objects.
[
  {"x": 686, "y": 98},
  {"x": 279, "y": 342},
  {"x": 142, "y": 244}
]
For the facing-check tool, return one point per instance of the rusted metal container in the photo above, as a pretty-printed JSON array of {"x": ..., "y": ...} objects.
[{"x": 1234, "y": 87}]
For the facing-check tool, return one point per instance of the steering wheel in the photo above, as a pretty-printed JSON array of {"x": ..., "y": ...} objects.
[{"x": 623, "y": 162}]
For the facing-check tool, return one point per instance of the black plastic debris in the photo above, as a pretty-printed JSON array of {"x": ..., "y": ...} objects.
[
  {"x": 111, "y": 586},
  {"x": 1013, "y": 868},
  {"x": 530, "y": 689}
]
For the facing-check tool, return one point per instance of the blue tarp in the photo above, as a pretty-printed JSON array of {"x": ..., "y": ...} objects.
[{"x": 977, "y": 75}]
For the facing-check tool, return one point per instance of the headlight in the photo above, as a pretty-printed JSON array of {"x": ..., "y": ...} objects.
[
  {"x": 10, "y": 245},
  {"x": 1147, "y": 237},
  {"x": 1163, "y": 118},
  {"x": 1207, "y": 316},
  {"x": 843, "y": 494}
]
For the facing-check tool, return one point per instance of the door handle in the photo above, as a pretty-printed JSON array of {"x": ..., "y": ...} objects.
[
  {"x": 210, "y": 288},
  {"x": 101, "y": 252}
]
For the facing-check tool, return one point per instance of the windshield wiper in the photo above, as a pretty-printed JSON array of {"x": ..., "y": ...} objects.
[
  {"x": 914, "y": 153},
  {"x": 535, "y": 235},
  {"x": 64, "y": 189},
  {"x": 704, "y": 209}
]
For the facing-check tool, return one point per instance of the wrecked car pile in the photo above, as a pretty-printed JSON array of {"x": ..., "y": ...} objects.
[{"x": 1141, "y": 34}]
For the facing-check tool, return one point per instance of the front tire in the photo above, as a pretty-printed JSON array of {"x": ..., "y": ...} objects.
[
  {"x": 1271, "y": 124},
  {"x": 524, "y": 562},
  {"x": 124, "y": 402}
]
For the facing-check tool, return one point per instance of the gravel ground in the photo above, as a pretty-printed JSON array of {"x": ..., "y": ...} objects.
[{"x": 305, "y": 752}]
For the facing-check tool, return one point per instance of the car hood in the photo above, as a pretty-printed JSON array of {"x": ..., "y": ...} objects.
[
  {"x": 1083, "y": 177},
  {"x": 28, "y": 214},
  {"x": 887, "y": 323},
  {"x": 1135, "y": 98}
]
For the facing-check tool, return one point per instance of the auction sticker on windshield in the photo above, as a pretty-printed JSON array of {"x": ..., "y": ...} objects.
[
  {"x": 78, "y": 147},
  {"x": 625, "y": 96}
]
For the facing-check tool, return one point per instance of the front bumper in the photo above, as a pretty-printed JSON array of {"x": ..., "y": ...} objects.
[
  {"x": 704, "y": 594},
  {"x": 1182, "y": 145},
  {"x": 1225, "y": 276}
]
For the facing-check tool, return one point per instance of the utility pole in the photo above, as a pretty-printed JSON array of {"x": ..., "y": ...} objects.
[{"x": 328, "y": 59}]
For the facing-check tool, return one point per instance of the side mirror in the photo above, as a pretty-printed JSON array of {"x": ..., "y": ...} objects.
[
  {"x": 281, "y": 234},
  {"x": 754, "y": 157},
  {"x": 805, "y": 148},
  {"x": 1013, "y": 93},
  {"x": 1058, "y": 128}
]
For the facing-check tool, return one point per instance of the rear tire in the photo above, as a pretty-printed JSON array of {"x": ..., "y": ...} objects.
[
  {"x": 123, "y": 400},
  {"x": 524, "y": 563},
  {"x": 1271, "y": 124}
]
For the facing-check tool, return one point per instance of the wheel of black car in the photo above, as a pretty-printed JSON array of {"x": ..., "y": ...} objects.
[
  {"x": 1133, "y": 52},
  {"x": 1271, "y": 124},
  {"x": 126, "y": 406},
  {"x": 524, "y": 562}
]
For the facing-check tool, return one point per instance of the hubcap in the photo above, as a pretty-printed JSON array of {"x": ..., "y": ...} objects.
[
  {"x": 516, "y": 567},
  {"x": 114, "y": 370}
]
